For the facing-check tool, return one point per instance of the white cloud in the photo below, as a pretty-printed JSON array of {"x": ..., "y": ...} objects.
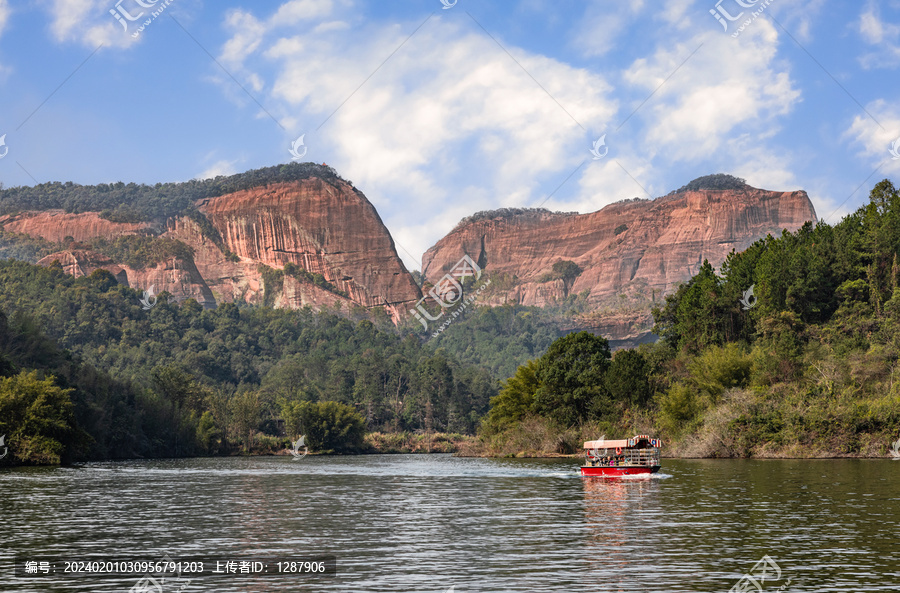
[
  {"x": 675, "y": 12},
  {"x": 603, "y": 24},
  {"x": 729, "y": 85},
  {"x": 606, "y": 181},
  {"x": 719, "y": 110},
  {"x": 111, "y": 23},
  {"x": 89, "y": 22},
  {"x": 4, "y": 14},
  {"x": 331, "y": 26},
  {"x": 296, "y": 11},
  {"x": 4, "y": 19},
  {"x": 247, "y": 34},
  {"x": 447, "y": 126},
  {"x": 884, "y": 36},
  {"x": 222, "y": 167},
  {"x": 798, "y": 16},
  {"x": 877, "y": 139}
]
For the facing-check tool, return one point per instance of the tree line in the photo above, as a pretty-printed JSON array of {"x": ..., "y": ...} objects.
[
  {"x": 180, "y": 380},
  {"x": 792, "y": 345},
  {"x": 133, "y": 202}
]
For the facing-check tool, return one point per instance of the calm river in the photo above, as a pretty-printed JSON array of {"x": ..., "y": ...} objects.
[{"x": 426, "y": 523}]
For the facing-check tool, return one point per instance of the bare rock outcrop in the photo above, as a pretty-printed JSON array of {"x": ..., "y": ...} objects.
[
  {"x": 179, "y": 277},
  {"x": 56, "y": 225},
  {"x": 630, "y": 253},
  {"x": 326, "y": 228}
]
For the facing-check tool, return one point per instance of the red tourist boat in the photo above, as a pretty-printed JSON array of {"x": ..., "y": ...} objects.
[{"x": 625, "y": 457}]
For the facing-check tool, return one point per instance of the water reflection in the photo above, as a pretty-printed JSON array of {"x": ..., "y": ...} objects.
[
  {"x": 613, "y": 510},
  {"x": 409, "y": 523}
]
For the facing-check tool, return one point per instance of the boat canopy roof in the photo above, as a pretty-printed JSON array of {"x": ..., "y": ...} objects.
[
  {"x": 606, "y": 444},
  {"x": 640, "y": 441}
]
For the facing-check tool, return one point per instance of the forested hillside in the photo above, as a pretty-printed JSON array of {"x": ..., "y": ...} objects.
[
  {"x": 190, "y": 381},
  {"x": 499, "y": 339},
  {"x": 803, "y": 365}
]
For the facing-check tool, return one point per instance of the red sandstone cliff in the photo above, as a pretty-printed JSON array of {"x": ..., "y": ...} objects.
[
  {"x": 177, "y": 276},
  {"x": 56, "y": 225},
  {"x": 631, "y": 253},
  {"x": 323, "y": 227}
]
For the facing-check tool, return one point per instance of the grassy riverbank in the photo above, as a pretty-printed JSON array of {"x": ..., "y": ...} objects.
[
  {"x": 380, "y": 442},
  {"x": 778, "y": 424},
  {"x": 411, "y": 442}
]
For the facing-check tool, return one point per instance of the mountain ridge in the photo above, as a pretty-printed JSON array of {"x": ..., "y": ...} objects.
[
  {"x": 628, "y": 255},
  {"x": 300, "y": 235}
]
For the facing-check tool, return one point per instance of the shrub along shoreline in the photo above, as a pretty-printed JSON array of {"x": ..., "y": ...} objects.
[{"x": 538, "y": 438}]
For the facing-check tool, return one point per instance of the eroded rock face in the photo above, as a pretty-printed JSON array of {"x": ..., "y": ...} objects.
[
  {"x": 229, "y": 281},
  {"x": 632, "y": 253},
  {"x": 178, "y": 277},
  {"x": 174, "y": 275},
  {"x": 326, "y": 228},
  {"x": 83, "y": 262},
  {"x": 56, "y": 225}
]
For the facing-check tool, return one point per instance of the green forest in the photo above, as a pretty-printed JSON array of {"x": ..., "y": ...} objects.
[
  {"x": 805, "y": 365},
  {"x": 802, "y": 365},
  {"x": 180, "y": 380}
]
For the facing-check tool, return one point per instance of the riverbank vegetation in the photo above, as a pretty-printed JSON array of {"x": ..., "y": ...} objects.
[
  {"x": 179, "y": 380},
  {"x": 803, "y": 365}
]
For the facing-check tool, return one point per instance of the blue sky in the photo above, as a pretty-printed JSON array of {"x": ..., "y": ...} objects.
[{"x": 437, "y": 113}]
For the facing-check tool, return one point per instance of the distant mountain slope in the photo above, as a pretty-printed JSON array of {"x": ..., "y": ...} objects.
[
  {"x": 626, "y": 256},
  {"x": 286, "y": 236}
]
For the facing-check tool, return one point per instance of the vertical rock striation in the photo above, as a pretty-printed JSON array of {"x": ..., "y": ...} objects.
[{"x": 634, "y": 251}]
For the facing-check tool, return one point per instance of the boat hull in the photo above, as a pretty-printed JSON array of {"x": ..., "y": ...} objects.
[{"x": 615, "y": 472}]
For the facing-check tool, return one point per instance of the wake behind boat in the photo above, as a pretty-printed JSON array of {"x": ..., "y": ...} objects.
[{"x": 625, "y": 457}]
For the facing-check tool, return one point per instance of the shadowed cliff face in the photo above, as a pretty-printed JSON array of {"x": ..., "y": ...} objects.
[
  {"x": 326, "y": 228},
  {"x": 631, "y": 253}
]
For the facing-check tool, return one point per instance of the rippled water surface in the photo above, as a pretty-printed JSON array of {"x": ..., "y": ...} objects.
[{"x": 410, "y": 523}]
